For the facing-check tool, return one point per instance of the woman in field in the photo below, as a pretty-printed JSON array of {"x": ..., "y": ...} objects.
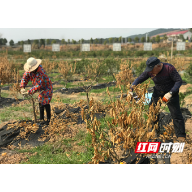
[{"x": 41, "y": 83}]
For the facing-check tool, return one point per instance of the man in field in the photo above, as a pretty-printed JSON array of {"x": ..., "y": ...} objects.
[
  {"x": 41, "y": 83},
  {"x": 167, "y": 83}
]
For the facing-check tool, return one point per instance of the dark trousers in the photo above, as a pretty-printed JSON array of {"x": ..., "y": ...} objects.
[
  {"x": 174, "y": 108},
  {"x": 48, "y": 111}
]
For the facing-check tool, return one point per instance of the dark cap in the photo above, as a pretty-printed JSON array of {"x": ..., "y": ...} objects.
[{"x": 151, "y": 62}]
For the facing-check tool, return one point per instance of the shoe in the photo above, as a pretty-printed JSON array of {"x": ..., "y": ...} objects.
[
  {"x": 42, "y": 122},
  {"x": 181, "y": 139},
  {"x": 46, "y": 122}
]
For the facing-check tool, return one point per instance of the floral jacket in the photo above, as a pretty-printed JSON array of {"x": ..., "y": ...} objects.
[{"x": 41, "y": 83}]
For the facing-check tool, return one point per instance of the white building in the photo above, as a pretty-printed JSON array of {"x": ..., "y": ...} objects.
[
  {"x": 175, "y": 35},
  {"x": 187, "y": 34}
]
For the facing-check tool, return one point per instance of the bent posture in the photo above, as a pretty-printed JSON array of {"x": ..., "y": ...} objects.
[
  {"x": 167, "y": 83},
  {"x": 41, "y": 83}
]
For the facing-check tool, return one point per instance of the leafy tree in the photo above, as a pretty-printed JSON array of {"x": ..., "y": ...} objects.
[
  {"x": 129, "y": 39},
  {"x": 11, "y": 42},
  {"x": 105, "y": 42},
  {"x": 73, "y": 41},
  {"x": 18, "y": 43},
  {"x": 22, "y": 43},
  {"x": 157, "y": 38},
  {"x": 4, "y": 41},
  {"x": 115, "y": 40},
  {"x": 165, "y": 37},
  {"x": 47, "y": 41},
  {"x": 142, "y": 39},
  {"x": 1, "y": 41},
  {"x": 120, "y": 38},
  {"x": 190, "y": 29},
  {"x": 153, "y": 40},
  {"x": 181, "y": 37},
  {"x": 63, "y": 41},
  {"x": 148, "y": 39},
  {"x": 110, "y": 40},
  {"x": 136, "y": 39},
  {"x": 42, "y": 42},
  {"x": 68, "y": 41},
  {"x": 36, "y": 42},
  {"x": 28, "y": 41},
  {"x": 82, "y": 40},
  {"x": 53, "y": 41},
  {"x": 91, "y": 40},
  {"x": 96, "y": 41},
  {"x": 101, "y": 41}
]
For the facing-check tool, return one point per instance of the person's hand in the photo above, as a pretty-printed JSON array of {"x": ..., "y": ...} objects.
[
  {"x": 130, "y": 93},
  {"x": 166, "y": 97},
  {"x": 24, "y": 92}
]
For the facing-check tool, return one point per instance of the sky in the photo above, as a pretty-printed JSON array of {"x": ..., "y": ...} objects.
[{"x": 18, "y": 34}]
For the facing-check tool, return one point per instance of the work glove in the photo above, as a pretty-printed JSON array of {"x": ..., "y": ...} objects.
[
  {"x": 130, "y": 93},
  {"x": 24, "y": 92},
  {"x": 166, "y": 97}
]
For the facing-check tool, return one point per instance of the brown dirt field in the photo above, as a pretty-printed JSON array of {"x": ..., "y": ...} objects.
[
  {"x": 184, "y": 88},
  {"x": 10, "y": 157}
]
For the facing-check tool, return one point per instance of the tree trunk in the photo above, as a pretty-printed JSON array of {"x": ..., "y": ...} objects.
[{"x": 87, "y": 98}]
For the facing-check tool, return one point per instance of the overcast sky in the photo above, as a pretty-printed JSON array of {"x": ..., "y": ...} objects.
[{"x": 18, "y": 34}]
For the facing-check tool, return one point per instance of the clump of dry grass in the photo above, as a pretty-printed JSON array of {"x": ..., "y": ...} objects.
[
  {"x": 48, "y": 65},
  {"x": 126, "y": 127},
  {"x": 125, "y": 76},
  {"x": 6, "y": 67}
]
